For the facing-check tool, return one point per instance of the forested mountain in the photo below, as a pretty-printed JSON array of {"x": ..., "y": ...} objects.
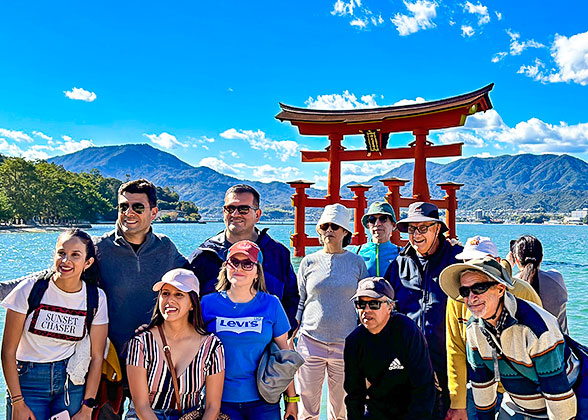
[{"x": 550, "y": 182}]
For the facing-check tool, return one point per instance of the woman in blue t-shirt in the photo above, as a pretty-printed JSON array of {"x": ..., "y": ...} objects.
[{"x": 246, "y": 319}]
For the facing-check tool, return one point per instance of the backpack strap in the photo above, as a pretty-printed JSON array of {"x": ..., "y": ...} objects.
[
  {"x": 91, "y": 304},
  {"x": 38, "y": 290}
]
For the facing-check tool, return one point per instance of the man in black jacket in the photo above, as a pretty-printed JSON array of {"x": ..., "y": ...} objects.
[
  {"x": 241, "y": 212},
  {"x": 388, "y": 372}
]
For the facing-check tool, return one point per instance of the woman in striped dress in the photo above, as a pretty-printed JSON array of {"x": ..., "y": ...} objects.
[{"x": 198, "y": 357}]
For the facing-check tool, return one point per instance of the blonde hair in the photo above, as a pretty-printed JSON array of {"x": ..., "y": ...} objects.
[{"x": 223, "y": 282}]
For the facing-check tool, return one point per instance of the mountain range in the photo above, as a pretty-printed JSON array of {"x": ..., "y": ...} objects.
[{"x": 526, "y": 181}]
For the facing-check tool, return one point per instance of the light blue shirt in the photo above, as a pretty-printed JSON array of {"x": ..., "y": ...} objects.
[{"x": 245, "y": 330}]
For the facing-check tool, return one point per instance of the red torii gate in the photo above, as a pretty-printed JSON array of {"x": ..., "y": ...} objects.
[{"x": 418, "y": 118}]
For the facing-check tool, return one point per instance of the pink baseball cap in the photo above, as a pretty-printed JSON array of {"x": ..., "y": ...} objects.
[
  {"x": 248, "y": 248},
  {"x": 181, "y": 279}
]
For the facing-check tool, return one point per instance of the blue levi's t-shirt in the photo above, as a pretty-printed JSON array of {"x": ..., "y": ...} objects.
[{"x": 245, "y": 330}]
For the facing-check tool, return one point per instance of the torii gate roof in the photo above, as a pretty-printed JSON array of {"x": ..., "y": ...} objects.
[{"x": 443, "y": 113}]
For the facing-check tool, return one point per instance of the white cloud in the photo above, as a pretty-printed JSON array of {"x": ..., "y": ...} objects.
[
  {"x": 71, "y": 146},
  {"x": 499, "y": 56},
  {"x": 467, "y": 30},
  {"x": 489, "y": 120},
  {"x": 535, "y": 71},
  {"x": 15, "y": 135},
  {"x": 220, "y": 166},
  {"x": 258, "y": 141},
  {"x": 36, "y": 152},
  {"x": 80, "y": 94},
  {"x": 345, "y": 101},
  {"x": 571, "y": 56},
  {"x": 42, "y": 135},
  {"x": 341, "y": 8},
  {"x": 268, "y": 173},
  {"x": 165, "y": 140},
  {"x": 422, "y": 13},
  {"x": 366, "y": 171},
  {"x": 9, "y": 149},
  {"x": 377, "y": 20},
  {"x": 498, "y": 15},
  {"x": 477, "y": 9},
  {"x": 418, "y": 100},
  {"x": 531, "y": 136},
  {"x": 517, "y": 47},
  {"x": 470, "y": 139},
  {"x": 360, "y": 23}
]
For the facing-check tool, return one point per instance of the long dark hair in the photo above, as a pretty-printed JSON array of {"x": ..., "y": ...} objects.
[
  {"x": 529, "y": 252},
  {"x": 90, "y": 275},
  {"x": 194, "y": 316}
]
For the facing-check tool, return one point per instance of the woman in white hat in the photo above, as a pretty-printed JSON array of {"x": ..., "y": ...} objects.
[
  {"x": 197, "y": 357},
  {"x": 327, "y": 280}
]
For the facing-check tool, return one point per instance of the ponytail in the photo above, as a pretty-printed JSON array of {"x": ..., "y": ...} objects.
[{"x": 529, "y": 252}]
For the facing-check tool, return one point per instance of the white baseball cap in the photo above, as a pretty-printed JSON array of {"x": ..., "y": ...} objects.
[
  {"x": 180, "y": 278},
  {"x": 478, "y": 247}
]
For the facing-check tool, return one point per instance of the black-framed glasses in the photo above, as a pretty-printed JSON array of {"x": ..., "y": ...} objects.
[
  {"x": 372, "y": 304},
  {"x": 242, "y": 209},
  {"x": 246, "y": 265},
  {"x": 325, "y": 226},
  {"x": 383, "y": 219},
  {"x": 476, "y": 289},
  {"x": 422, "y": 229},
  {"x": 138, "y": 208}
]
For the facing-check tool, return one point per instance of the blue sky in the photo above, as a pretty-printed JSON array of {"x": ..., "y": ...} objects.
[{"x": 203, "y": 80}]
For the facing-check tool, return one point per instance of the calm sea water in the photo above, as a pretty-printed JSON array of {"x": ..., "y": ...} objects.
[{"x": 565, "y": 249}]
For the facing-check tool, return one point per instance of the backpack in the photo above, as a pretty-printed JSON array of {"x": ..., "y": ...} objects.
[{"x": 42, "y": 284}]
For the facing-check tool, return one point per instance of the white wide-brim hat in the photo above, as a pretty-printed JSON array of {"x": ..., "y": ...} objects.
[{"x": 337, "y": 214}]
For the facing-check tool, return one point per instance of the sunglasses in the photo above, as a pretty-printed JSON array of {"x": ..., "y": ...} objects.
[
  {"x": 246, "y": 265},
  {"x": 476, "y": 289},
  {"x": 421, "y": 229},
  {"x": 373, "y": 304},
  {"x": 382, "y": 219},
  {"x": 325, "y": 226},
  {"x": 138, "y": 208},
  {"x": 243, "y": 209}
]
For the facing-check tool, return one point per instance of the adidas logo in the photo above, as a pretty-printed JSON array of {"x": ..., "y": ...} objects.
[{"x": 395, "y": 365}]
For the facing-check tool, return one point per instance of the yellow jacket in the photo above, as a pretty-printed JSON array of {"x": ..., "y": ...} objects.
[{"x": 456, "y": 318}]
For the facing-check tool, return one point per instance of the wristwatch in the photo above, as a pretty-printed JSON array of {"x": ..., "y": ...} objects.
[
  {"x": 90, "y": 402},
  {"x": 295, "y": 398}
]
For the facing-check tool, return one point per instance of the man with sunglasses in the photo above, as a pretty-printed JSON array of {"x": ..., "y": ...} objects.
[
  {"x": 379, "y": 253},
  {"x": 517, "y": 343},
  {"x": 388, "y": 372},
  {"x": 240, "y": 213},
  {"x": 462, "y": 404},
  {"x": 414, "y": 275},
  {"x": 132, "y": 259}
]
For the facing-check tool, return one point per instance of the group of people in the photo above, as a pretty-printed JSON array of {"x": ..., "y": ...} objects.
[{"x": 376, "y": 319}]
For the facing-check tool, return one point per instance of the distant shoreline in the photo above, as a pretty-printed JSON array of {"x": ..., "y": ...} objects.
[{"x": 42, "y": 228}]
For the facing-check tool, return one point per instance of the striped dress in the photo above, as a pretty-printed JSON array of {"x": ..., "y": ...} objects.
[{"x": 144, "y": 352}]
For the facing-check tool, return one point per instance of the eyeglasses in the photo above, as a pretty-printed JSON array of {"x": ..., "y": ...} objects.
[
  {"x": 243, "y": 209},
  {"x": 421, "y": 229},
  {"x": 476, "y": 289},
  {"x": 246, "y": 265},
  {"x": 382, "y": 219},
  {"x": 138, "y": 208},
  {"x": 372, "y": 304},
  {"x": 325, "y": 226}
]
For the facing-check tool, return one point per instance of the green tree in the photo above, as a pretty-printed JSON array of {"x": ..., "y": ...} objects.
[{"x": 19, "y": 183}]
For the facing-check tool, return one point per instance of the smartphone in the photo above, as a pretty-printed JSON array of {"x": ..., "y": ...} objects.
[
  {"x": 64, "y": 415},
  {"x": 512, "y": 244}
]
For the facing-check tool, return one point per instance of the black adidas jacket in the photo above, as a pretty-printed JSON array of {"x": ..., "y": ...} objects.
[{"x": 397, "y": 366}]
